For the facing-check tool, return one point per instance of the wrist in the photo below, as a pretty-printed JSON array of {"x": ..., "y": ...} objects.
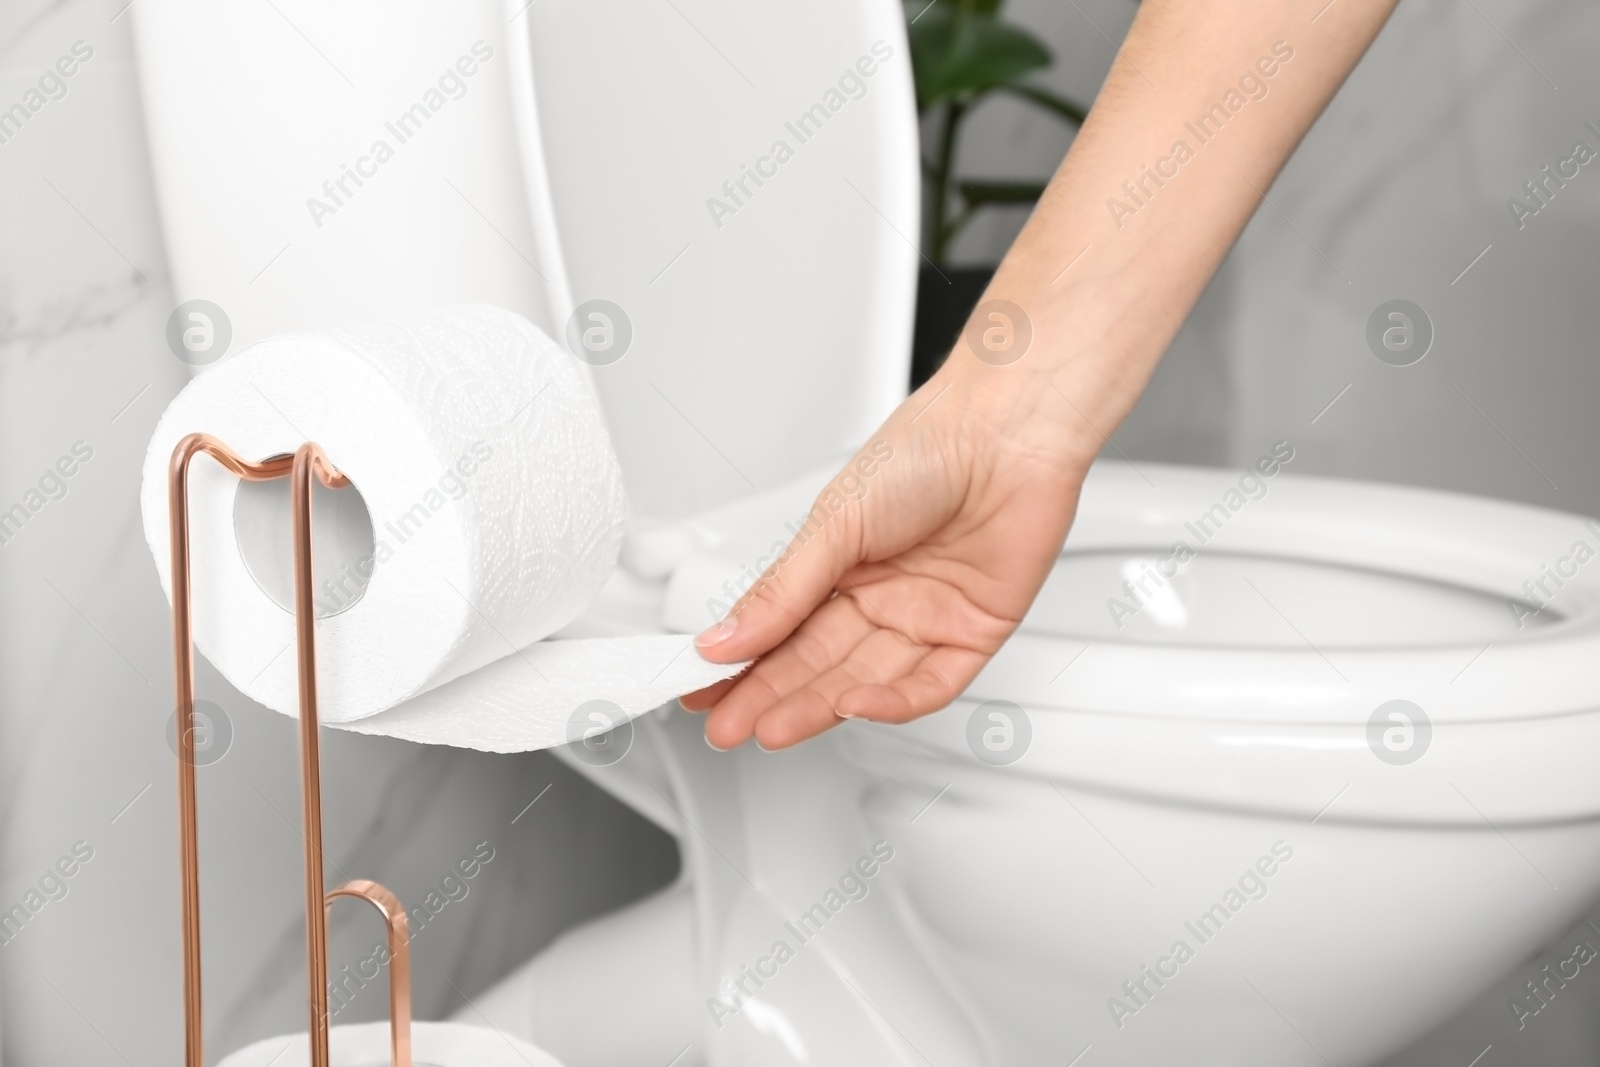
[{"x": 1059, "y": 369}]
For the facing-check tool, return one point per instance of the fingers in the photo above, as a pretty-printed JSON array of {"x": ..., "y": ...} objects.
[
  {"x": 805, "y": 715},
  {"x": 839, "y": 666},
  {"x": 826, "y": 639},
  {"x": 702, "y": 699},
  {"x": 880, "y": 658},
  {"x": 781, "y": 599},
  {"x": 941, "y": 676}
]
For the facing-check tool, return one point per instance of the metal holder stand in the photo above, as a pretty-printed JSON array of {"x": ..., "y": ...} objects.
[{"x": 307, "y": 462}]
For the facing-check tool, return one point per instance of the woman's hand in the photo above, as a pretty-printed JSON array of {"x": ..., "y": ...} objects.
[{"x": 914, "y": 566}]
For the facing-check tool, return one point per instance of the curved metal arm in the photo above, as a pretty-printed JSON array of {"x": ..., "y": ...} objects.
[
  {"x": 394, "y": 917},
  {"x": 308, "y": 461}
]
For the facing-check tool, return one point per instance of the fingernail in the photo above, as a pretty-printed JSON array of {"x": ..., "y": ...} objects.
[
  {"x": 718, "y": 633},
  {"x": 712, "y": 745}
]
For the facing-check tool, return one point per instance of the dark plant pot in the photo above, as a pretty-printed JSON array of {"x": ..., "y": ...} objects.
[{"x": 945, "y": 297}]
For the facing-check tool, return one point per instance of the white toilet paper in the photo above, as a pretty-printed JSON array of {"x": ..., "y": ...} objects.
[
  {"x": 496, "y": 510},
  {"x": 367, "y": 1045}
]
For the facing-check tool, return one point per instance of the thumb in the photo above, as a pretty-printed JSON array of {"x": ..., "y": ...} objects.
[{"x": 823, "y": 549}]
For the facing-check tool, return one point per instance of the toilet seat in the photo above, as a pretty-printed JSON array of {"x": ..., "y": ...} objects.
[
  {"x": 1464, "y": 548},
  {"x": 1274, "y": 725}
]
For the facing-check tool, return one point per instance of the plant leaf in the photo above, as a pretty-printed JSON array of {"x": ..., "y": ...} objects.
[{"x": 958, "y": 53}]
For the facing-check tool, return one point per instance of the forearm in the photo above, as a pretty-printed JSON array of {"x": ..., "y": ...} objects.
[
  {"x": 1201, "y": 109},
  {"x": 889, "y": 607}
]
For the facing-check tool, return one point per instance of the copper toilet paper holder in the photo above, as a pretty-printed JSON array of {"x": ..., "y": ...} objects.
[{"x": 308, "y": 462}]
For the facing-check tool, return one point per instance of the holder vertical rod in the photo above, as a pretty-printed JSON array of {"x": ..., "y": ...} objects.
[
  {"x": 308, "y": 461},
  {"x": 308, "y": 458}
]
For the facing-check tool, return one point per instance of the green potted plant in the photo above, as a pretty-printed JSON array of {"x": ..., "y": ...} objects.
[{"x": 963, "y": 51}]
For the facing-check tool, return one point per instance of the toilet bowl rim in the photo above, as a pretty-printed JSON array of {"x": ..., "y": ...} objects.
[
  {"x": 1529, "y": 773},
  {"x": 1289, "y": 687},
  {"x": 1471, "y": 543},
  {"x": 1472, "y": 539}
]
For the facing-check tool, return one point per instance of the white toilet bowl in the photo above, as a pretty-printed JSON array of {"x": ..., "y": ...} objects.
[{"x": 1205, "y": 839}]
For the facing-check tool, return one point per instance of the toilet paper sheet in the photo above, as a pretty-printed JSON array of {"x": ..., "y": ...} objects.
[
  {"x": 496, "y": 509},
  {"x": 528, "y": 700}
]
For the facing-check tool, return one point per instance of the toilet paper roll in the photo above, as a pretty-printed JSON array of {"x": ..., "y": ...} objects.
[
  {"x": 367, "y": 1045},
  {"x": 488, "y": 511}
]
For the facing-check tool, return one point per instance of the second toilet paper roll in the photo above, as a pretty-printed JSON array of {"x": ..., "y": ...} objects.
[
  {"x": 365, "y": 1044},
  {"x": 493, "y": 514}
]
